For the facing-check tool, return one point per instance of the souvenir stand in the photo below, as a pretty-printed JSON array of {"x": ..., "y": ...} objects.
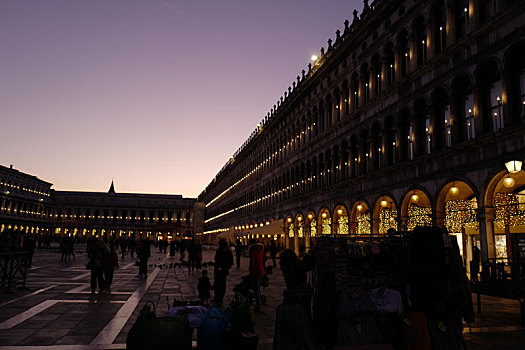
[{"x": 409, "y": 291}]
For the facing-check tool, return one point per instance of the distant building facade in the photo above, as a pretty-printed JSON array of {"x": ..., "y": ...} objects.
[
  {"x": 26, "y": 202},
  {"x": 31, "y": 206},
  {"x": 408, "y": 118}
]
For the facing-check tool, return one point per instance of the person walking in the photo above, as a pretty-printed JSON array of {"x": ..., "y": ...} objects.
[
  {"x": 256, "y": 269},
  {"x": 123, "y": 247},
  {"x": 143, "y": 253},
  {"x": 172, "y": 248},
  {"x": 192, "y": 256},
  {"x": 223, "y": 263},
  {"x": 96, "y": 252},
  {"x": 198, "y": 262},
  {"x": 132, "y": 244},
  {"x": 111, "y": 265},
  {"x": 238, "y": 253},
  {"x": 273, "y": 252}
]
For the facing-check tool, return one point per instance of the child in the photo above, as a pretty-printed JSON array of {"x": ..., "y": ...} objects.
[{"x": 204, "y": 288}]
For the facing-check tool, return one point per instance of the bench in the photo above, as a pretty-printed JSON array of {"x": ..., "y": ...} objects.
[{"x": 500, "y": 289}]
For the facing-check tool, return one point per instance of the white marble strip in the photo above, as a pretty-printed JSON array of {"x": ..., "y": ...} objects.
[
  {"x": 21, "y": 317},
  {"x": 113, "y": 328},
  {"x": 79, "y": 289},
  {"x": 81, "y": 276},
  {"x": 495, "y": 329},
  {"x": 28, "y": 295},
  {"x": 65, "y": 347}
]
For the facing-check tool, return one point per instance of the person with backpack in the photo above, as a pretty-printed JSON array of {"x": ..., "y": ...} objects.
[{"x": 223, "y": 263}]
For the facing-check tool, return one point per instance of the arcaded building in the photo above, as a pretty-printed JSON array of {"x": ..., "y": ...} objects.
[
  {"x": 26, "y": 202},
  {"x": 115, "y": 215},
  {"x": 414, "y": 114},
  {"x": 29, "y": 205}
]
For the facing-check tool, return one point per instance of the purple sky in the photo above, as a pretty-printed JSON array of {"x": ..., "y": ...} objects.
[{"x": 156, "y": 94}]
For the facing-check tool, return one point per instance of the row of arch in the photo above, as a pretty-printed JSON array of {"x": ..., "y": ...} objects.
[{"x": 488, "y": 217}]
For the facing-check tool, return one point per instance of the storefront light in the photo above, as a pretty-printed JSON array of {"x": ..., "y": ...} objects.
[{"x": 514, "y": 166}]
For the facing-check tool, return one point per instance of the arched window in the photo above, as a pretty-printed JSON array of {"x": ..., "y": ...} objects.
[
  {"x": 439, "y": 14},
  {"x": 390, "y": 64},
  {"x": 365, "y": 74},
  {"x": 355, "y": 91},
  {"x": 404, "y": 52},
  {"x": 461, "y": 13},
  {"x": 489, "y": 81},
  {"x": 420, "y": 35},
  {"x": 376, "y": 72}
]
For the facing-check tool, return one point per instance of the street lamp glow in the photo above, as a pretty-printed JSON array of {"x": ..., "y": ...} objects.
[{"x": 314, "y": 58}]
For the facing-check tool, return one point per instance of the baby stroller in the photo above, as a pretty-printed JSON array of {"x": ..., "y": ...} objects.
[{"x": 244, "y": 291}]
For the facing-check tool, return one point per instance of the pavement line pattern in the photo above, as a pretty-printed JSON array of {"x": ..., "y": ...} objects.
[
  {"x": 113, "y": 328},
  {"x": 27, "y": 295},
  {"x": 13, "y": 321},
  {"x": 496, "y": 329}
]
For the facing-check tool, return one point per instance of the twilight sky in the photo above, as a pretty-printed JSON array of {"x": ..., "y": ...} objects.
[{"x": 156, "y": 94}]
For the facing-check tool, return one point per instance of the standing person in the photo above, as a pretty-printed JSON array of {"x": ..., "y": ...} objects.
[
  {"x": 192, "y": 256},
  {"x": 63, "y": 248},
  {"x": 97, "y": 254},
  {"x": 256, "y": 268},
  {"x": 111, "y": 265},
  {"x": 198, "y": 248},
  {"x": 143, "y": 253},
  {"x": 172, "y": 248},
  {"x": 223, "y": 263},
  {"x": 132, "y": 246},
  {"x": 273, "y": 252},
  {"x": 123, "y": 247},
  {"x": 182, "y": 249},
  {"x": 29, "y": 245},
  {"x": 474, "y": 264},
  {"x": 238, "y": 253},
  {"x": 70, "y": 246},
  {"x": 204, "y": 287}
]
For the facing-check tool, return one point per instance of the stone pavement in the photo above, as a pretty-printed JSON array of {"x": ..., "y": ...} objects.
[{"x": 57, "y": 311}]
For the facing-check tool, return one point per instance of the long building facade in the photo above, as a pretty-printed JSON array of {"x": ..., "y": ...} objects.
[
  {"x": 31, "y": 206},
  {"x": 413, "y": 115}
]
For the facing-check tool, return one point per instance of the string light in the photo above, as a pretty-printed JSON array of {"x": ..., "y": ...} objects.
[
  {"x": 459, "y": 214},
  {"x": 343, "y": 225},
  {"x": 418, "y": 216},
  {"x": 326, "y": 225},
  {"x": 387, "y": 220},
  {"x": 313, "y": 228},
  {"x": 363, "y": 223}
]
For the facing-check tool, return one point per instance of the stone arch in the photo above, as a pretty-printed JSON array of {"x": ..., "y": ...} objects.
[
  {"x": 360, "y": 218},
  {"x": 416, "y": 209},
  {"x": 385, "y": 214}
]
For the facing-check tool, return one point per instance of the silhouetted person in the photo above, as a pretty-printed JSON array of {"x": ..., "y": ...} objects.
[
  {"x": 143, "y": 253},
  {"x": 223, "y": 263},
  {"x": 294, "y": 275},
  {"x": 172, "y": 249},
  {"x": 474, "y": 264},
  {"x": 256, "y": 268},
  {"x": 97, "y": 257},
  {"x": 273, "y": 252},
  {"x": 204, "y": 287},
  {"x": 238, "y": 253},
  {"x": 111, "y": 265}
]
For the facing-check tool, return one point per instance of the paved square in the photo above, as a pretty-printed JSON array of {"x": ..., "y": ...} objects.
[{"x": 58, "y": 311}]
